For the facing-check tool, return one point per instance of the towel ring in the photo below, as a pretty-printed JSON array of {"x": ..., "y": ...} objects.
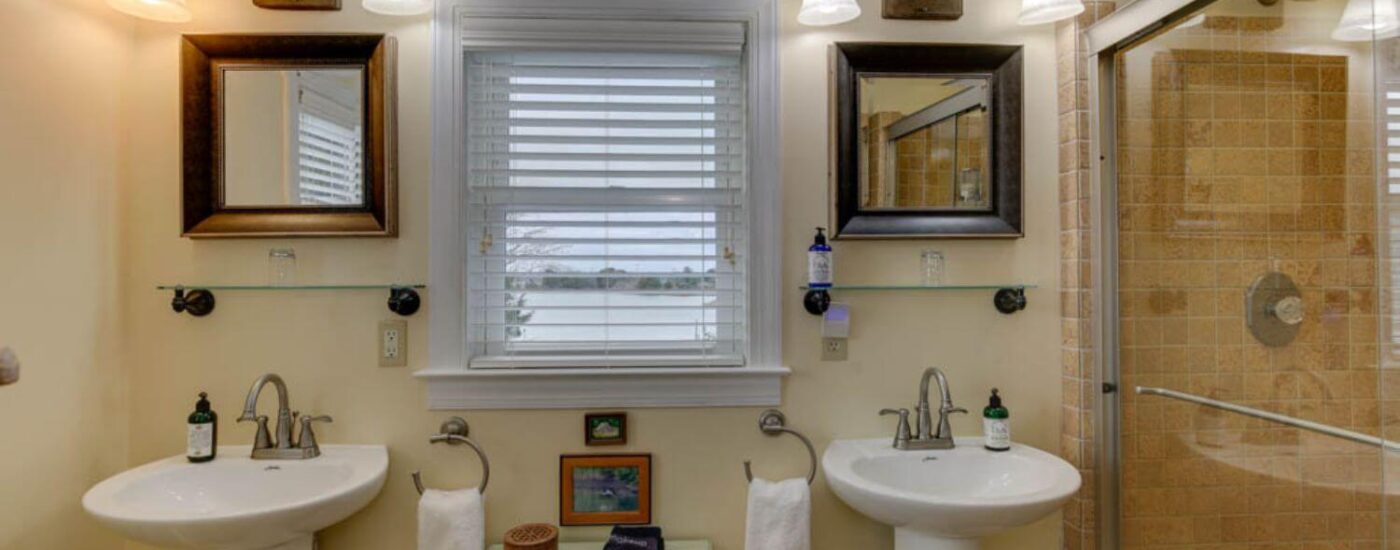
[
  {"x": 454, "y": 431},
  {"x": 772, "y": 422}
]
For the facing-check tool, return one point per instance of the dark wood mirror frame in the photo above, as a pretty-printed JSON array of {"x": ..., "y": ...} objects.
[
  {"x": 202, "y": 57},
  {"x": 1002, "y": 64}
]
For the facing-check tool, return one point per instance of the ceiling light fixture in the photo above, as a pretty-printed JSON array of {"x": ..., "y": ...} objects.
[
  {"x": 165, "y": 11},
  {"x": 398, "y": 7},
  {"x": 1035, "y": 12},
  {"x": 820, "y": 13},
  {"x": 1364, "y": 20}
]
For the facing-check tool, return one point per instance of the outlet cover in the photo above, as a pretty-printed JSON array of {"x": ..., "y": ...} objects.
[
  {"x": 393, "y": 343},
  {"x": 833, "y": 349}
]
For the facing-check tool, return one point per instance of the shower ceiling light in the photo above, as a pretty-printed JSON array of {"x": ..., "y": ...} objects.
[
  {"x": 165, "y": 11},
  {"x": 1364, "y": 20},
  {"x": 399, "y": 7},
  {"x": 820, "y": 13},
  {"x": 1035, "y": 12}
]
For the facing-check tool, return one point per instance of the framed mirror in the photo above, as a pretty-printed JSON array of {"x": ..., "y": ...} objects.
[
  {"x": 926, "y": 141},
  {"x": 288, "y": 136}
]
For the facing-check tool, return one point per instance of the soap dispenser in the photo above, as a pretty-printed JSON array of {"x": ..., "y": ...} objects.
[
  {"x": 818, "y": 299},
  {"x": 996, "y": 424},
  {"x": 202, "y": 438}
]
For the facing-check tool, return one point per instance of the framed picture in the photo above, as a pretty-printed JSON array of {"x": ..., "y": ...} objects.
[
  {"x": 605, "y": 489},
  {"x": 605, "y": 428}
]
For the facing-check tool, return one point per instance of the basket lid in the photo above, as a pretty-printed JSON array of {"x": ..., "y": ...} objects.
[{"x": 531, "y": 533}]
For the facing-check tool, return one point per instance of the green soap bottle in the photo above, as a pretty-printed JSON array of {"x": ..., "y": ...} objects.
[
  {"x": 996, "y": 424},
  {"x": 202, "y": 440}
]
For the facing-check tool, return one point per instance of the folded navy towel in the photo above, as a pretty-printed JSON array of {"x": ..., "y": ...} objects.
[{"x": 635, "y": 538}]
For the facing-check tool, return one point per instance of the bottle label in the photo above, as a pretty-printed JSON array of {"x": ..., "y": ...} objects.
[
  {"x": 201, "y": 440},
  {"x": 818, "y": 269},
  {"x": 997, "y": 432}
]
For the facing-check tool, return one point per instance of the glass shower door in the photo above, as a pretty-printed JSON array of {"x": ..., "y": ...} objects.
[{"x": 1253, "y": 276}]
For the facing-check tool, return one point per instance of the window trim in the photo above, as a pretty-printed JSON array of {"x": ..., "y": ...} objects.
[{"x": 451, "y": 385}]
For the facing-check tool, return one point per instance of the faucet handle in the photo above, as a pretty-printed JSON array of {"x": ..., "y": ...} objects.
[
  {"x": 901, "y": 432},
  {"x": 263, "y": 440},
  {"x": 952, "y": 409},
  {"x": 308, "y": 437}
]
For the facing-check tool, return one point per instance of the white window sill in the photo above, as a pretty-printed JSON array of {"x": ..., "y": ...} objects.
[{"x": 457, "y": 388}]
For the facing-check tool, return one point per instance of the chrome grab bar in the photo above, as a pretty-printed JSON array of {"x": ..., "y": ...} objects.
[
  {"x": 1274, "y": 417},
  {"x": 772, "y": 422},
  {"x": 453, "y": 431}
]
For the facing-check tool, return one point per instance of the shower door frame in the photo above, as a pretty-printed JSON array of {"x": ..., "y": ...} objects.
[{"x": 1125, "y": 28}]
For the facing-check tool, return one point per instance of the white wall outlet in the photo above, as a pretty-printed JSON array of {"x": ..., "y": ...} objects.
[
  {"x": 833, "y": 349},
  {"x": 393, "y": 343}
]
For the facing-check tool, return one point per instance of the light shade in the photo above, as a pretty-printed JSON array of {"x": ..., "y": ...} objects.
[
  {"x": 1364, "y": 20},
  {"x": 820, "y": 13},
  {"x": 166, "y": 11},
  {"x": 1035, "y": 12},
  {"x": 399, "y": 7}
]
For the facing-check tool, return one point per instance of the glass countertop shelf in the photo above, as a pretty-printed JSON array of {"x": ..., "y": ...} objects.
[
  {"x": 922, "y": 287},
  {"x": 293, "y": 287}
]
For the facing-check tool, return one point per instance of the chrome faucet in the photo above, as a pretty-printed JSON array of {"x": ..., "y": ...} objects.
[
  {"x": 283, "y": 447},
  {"x": 924, "y": 436}
]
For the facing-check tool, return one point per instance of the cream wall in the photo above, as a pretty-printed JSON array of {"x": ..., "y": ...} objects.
[
  {"x": 323, "y": 343},
  {"x": 63, "y": 426}
]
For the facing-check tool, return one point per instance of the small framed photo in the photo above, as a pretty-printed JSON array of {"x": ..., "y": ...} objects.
[
  {"x": 605, "y": 428},
  {"x": 605, "y": 489}
]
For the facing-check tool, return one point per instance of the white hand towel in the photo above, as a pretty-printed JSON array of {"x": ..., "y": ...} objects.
[
  {"x": 780, "y": 515},
  {"x": 451, "y": 520}
]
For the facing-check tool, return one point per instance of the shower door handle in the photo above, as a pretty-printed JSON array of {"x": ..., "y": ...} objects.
[{"x": 1274, "y": 417}]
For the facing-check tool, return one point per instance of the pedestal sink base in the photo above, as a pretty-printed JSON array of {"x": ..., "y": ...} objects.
[
  {"x": 304, "y": 543},
  {"x": 910, "y": 539}
]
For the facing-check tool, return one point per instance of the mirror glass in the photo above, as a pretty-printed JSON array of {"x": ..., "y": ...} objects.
[
  {"x": 924, "y": 142},
  {"x": 293, "y": 137}
]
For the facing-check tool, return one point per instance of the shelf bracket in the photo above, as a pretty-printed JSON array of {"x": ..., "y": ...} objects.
[
  {"x": 195, "y": 301},
  {"x": 1010, "y": 300},
  {"x": 404, "y": 301}
]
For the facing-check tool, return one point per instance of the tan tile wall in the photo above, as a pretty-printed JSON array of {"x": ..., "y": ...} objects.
[
  {"x": 1235, "y": 161},
  {"x": 1080, "y": 388}
]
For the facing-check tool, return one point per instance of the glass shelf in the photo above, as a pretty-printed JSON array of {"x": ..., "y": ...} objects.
[
  {"x": 1009, "y": 298},
  {"x": 292, "y": 287},
  {"x": 921, "y": 287},
  {"x": 198, "y": 300}
]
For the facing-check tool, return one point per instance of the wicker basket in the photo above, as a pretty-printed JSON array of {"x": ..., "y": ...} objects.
[{"x": 532, "y": 536}]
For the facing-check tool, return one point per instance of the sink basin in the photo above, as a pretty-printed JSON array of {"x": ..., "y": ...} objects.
[
  {"x": 236, "y": 503},
  {"x": 948, "y": 499}
]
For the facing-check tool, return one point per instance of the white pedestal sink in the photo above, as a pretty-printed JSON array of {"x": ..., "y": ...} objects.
[
  {"x": 949, "y": 499},
  {"x": 236, "y": 503}
]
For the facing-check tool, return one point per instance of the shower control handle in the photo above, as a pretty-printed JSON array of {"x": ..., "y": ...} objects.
[{"x": 1288, "y": 309}]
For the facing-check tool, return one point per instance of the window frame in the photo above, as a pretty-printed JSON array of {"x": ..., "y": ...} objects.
[{"x": 451, "y": 384}]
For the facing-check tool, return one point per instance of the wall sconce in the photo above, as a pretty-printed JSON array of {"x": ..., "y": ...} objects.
[
  {"x": 1035, "y": 12},
  {"x": 165, "y": 11},
  {"x": 1364, "y": 20},
  {"x": 821, "y": 13},
  {"x": 398, "y": 7}
]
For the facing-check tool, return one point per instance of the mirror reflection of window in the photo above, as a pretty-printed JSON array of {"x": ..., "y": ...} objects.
[
  {"x": 924, "y": 142},
  {"x": 293, "y": 138}
]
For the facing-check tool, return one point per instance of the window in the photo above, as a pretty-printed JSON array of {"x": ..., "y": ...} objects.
[
  {"x": 605, "y": 217},
  {"x": 606, "y": 202}
]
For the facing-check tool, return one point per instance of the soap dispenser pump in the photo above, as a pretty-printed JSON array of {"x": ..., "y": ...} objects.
[
  {"x": 818, "y": 299},
  {"x": 202, "y": 441},
  {"x": 996, "y": 424}
]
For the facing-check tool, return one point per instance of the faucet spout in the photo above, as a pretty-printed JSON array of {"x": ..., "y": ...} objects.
[{"x": 284, "y": 412}]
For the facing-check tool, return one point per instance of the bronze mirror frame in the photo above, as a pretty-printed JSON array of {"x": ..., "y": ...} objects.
[
  {"x": 204, "y": 57},
  {"x": 1001, "y": 64}
]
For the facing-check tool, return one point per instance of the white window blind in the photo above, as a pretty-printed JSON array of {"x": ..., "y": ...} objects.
[
  {"x": 606, "y": 207},
  {"x": 329, "y": 163}
]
